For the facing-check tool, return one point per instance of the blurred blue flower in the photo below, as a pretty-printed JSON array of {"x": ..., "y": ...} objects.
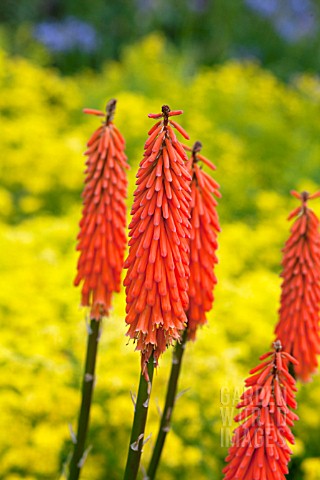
[
  {"x": 294, "y": 29},
  {"x": 292, "y": 19},
  {"x": 198, "y": 6},
  {"x": 67, "y": 35},
  {"x": 145, "y": 5},
  {"x": 265, "y": 8},
  {"x": 301, "y": 6}
]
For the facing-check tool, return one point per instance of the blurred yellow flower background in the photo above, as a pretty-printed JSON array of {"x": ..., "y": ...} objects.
[{"x": 263, "y": 135}]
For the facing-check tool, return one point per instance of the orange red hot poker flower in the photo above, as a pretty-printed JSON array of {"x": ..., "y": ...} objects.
[
  {"x": 102, "y": 239},
  {"x": 298, "y": 327},
  {"x": 203, "y": 242},
  {"x": 259, "y": 449},
  {"x": 158, "y": 261}
]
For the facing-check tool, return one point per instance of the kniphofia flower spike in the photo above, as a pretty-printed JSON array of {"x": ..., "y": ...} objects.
[
  {"x": 203, "y": 242},
  {"x": 298, "y": 327},
  {"x": 158, "y": 261},
  {"x": 102, "y": 239},
  {"x": 259, "y": 449}
]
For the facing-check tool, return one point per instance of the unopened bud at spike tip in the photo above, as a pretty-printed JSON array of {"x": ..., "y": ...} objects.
[{"x": 298, "y": 326}]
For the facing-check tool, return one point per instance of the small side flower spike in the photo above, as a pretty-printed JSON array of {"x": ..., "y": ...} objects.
[
  {"x": 259, "y": 449},
  {"x": 298, "y": 326},
  {"x": 203, "y": 241}
]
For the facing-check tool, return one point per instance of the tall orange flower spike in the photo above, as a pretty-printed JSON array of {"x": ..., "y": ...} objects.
[
  {"x": 298, "y": 327},
  {"x": 158, "y": 261},
  {"x": 102, "y": 238},
  {"x": 203, "y": 242},
  {"x": 259, "y": 449}
]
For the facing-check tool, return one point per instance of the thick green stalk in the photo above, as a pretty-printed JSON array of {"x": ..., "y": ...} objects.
[
  {"x": 87, "y": 391},
  {"x": 139, "y": 424},
  {"x": 168, "y": 407}
]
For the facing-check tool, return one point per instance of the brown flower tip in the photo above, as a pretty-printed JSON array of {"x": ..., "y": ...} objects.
[
  {"x": 102, "y": 239},
  {"x": 277, "y": 346},
  {"x": 110, "y": 110},
  {"x": 166, "y": 112},
  {"x": 304, "y": 197},
  {"x": 298, "y": 326},
  {"x": 158, "y": 261},
  {"x": 259, "y": 447},
  {"x": 196, "y": 149},
  {"x": 203, "y": 242}
]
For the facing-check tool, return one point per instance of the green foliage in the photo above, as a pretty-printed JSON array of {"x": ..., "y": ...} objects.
[
  {"x": 264, "y": 138},
  {"x": 208, "y": 32}
]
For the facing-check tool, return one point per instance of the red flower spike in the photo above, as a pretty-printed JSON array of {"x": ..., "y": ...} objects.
[
  {"x": 298, "y": 326},
  {"x": 102, "y": 238},
  {"x": 93, "y": 111},
  {"x": 259, "y": 449},
  {"x": 158, "y": 261},
  {"x": 314, "y": 195},
  {"x": 175, "y": 112},
  {"x": 203, "y": 242}
]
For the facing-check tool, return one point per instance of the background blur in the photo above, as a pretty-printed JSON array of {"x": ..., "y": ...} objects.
[{"x": 245, "y": 73}]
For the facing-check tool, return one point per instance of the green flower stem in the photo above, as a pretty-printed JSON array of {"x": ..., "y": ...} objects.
[
  {"x": 139, "y": 424},
  {"x": 78, "y": 456},
  {"x": 168, "y": 407}
]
